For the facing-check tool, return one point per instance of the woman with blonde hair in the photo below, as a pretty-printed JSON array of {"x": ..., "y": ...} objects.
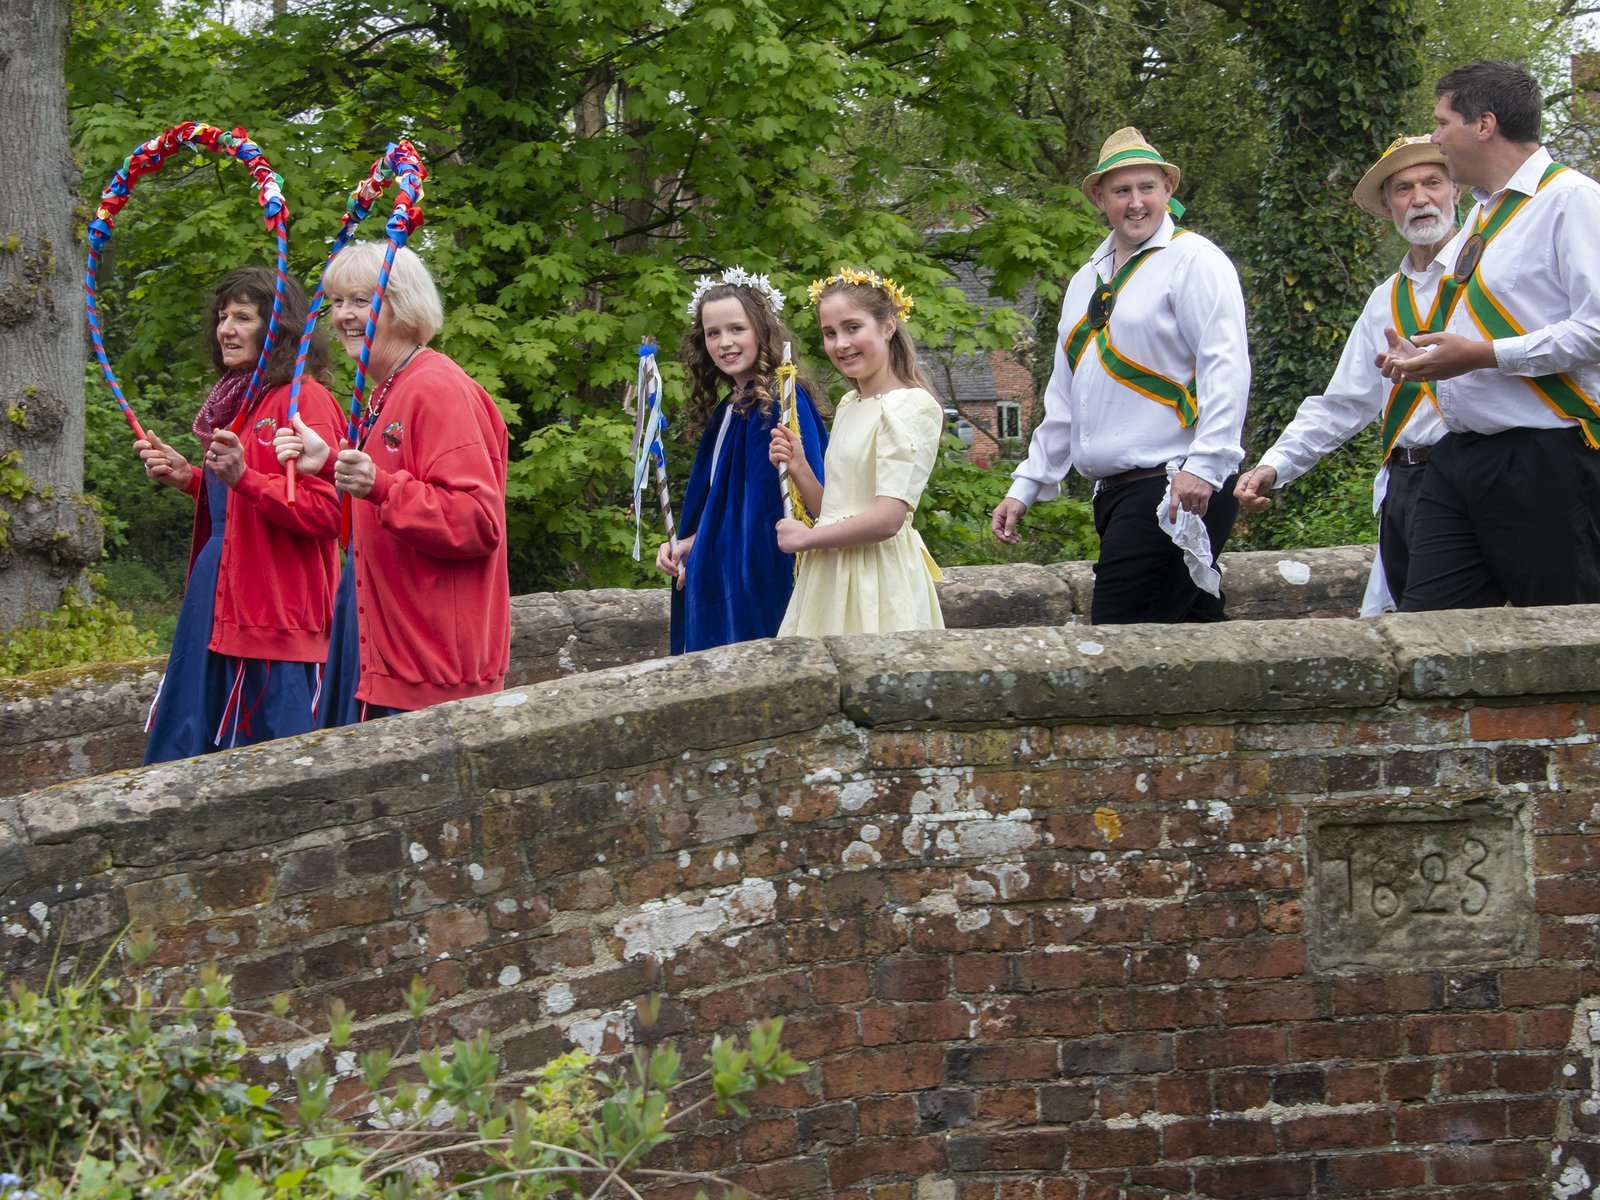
[{"x": 424, "y": 607}]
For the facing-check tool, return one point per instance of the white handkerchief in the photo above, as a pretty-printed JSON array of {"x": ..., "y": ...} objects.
[{"x": 1189, "y": 534}]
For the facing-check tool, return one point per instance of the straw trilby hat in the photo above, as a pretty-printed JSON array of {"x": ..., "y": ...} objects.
[
  {"x": 1127, "y": 148},
  {"x": 1403, "y": 152}
]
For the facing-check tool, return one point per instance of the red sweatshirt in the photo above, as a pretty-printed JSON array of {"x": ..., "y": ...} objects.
[
  {"x": 433, "y": 597},
  {"x": 280, "y": 562}
]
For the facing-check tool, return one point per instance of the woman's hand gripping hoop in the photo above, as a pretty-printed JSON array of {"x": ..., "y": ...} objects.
[
  {"x": 399, "y": 162},
  {"x": 152, "y": 156}
]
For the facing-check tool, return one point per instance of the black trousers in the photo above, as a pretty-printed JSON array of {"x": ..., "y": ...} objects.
[
  {"x": 1511, "y": 516},
  {"x": 1140, "y": 576},
  {"x": 1397, "y": 523}
]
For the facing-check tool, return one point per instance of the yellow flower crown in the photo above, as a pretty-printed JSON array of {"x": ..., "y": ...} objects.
[{"x": 902, "y": 302}]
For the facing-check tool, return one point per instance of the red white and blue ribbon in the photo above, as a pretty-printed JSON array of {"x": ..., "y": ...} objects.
[
  {"x": 398, "y": 162},
  {"x": 648, "y": 449},
  {"x": 404, "y": 220},
  {"x": 152, "y": 156}
]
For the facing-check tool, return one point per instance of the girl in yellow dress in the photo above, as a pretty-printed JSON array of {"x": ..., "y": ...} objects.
[{"x": 863, "y": 568}]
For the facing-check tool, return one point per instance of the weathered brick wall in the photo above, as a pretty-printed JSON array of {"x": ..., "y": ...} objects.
[
  {"x": 63, "y": 725},
  {"x": 1283, "y": 908}
]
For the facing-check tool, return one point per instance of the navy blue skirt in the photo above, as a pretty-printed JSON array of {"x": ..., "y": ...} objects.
[
  {"x": 337, "y": 704},
  {"x": 209, "y": 701}
]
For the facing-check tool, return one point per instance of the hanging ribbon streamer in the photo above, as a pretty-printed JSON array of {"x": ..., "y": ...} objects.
[
  {"x": 404, "y": 220},
  {"x": 786, "y": 416},
  {"x": 648, "y": 449},
  {"x": 152, "y": 156},
  {"x": 794, "y": 504},
  {"x": 398, "y": 160}
]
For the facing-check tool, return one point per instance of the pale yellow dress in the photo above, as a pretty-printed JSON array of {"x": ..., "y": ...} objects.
[{"x": 882, "y": 445}]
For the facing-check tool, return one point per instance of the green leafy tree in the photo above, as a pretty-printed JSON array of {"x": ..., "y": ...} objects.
[{"x": 587, "y": 164}]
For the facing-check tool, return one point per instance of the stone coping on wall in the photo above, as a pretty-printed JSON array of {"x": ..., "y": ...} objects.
[
  {"x": 622, "y": 718},
  {"x": 68, "y": 724}
]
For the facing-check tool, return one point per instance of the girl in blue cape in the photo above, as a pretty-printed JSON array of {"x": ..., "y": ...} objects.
[{"x": 732, "y": 581}]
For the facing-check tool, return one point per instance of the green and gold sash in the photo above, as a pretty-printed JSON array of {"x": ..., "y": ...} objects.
[
  {"x": 1124, "y": 370},
  {"x": 1494, "y": 319},
  {"x": 1404, "y": 397}
]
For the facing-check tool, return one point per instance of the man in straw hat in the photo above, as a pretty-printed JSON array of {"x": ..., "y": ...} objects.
[
  {"x": 1410, "y": 186},
  {"x": 1510, "y": 503},
  {"x": 1147, "y": 398}
]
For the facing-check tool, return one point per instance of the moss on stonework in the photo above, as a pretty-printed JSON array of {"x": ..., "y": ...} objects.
[{"x": 45, "y": 683}]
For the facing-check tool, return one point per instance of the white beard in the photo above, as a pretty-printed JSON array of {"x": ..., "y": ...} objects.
[{"x": 1424, "y": 228}]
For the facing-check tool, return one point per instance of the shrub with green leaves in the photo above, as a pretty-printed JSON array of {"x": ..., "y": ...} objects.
[
  {"x": 953, "y": 518},
  {"x": 106, "y": 1093},
  {"x": 84, "y": 629}
]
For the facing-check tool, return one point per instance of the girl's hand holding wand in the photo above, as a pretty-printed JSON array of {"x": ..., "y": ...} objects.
[
  {"x": 669, "y": 563},
  {"x": 785, "y": 448},
  {"x": 792, "y": 535}
]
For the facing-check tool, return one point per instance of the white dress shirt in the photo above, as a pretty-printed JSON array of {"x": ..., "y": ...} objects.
[
  {"x": 1544, "y": 267},
  {"x": 1358, "y": 392},
  {"x": 1182, "y": 314},
  {"x": 1356, "y": 396}
]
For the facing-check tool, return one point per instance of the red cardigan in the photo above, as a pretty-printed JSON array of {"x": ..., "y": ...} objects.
[
  {"x": 279, "y": 561},
  {"x": 433, "y": 596}
]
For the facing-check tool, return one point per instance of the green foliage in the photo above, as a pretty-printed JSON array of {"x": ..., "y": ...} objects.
[
  {"x": 82, "y": 630},
  {"x": 1339, "y": 78},
  {"x": 586, "y": 167},
  {"x": 107, "y": 1094},
  {"x": 1330, "y": 505},
  {"x": 953, "y": 518},
  {"x": 86, "y": 1068}
]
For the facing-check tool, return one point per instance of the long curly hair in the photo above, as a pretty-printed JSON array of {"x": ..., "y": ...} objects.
[
  {"x": 706, "y": 380},
  {"x": 880, "y": 306},
  {"x": 253, "y": 286}
]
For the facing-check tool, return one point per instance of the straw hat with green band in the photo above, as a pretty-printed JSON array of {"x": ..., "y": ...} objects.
[
  {"x": 1127, "y": 148},
  {"x": 1403, "y": 152}
]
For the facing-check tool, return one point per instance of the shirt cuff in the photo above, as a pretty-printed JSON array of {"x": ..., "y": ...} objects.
[
  {"x": 1209, "y": 467},
  {"x": 1284, "y": 468},
  {"x": 252, "y": 483},
  {"x": 1511, "y": 355},
  {"x": 1029, "y": 491},
  {"x": 380, "y": 486}
]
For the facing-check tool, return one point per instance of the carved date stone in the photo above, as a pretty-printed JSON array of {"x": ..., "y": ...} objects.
[{"x": 1418, "y": 888}]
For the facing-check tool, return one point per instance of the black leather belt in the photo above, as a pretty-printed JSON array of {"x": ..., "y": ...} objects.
[
  {"x": 1409, "y": 456},
  {"x": 1112, "y": 482}
]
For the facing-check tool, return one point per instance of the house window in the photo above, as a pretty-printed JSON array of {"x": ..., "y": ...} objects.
[{"x": 1008, "y": 419}]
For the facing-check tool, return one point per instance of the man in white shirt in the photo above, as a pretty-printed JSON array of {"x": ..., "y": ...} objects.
[
  {"x": 1410, "y": 186},
  {"x": 1147, "y": 398},
  {"x": 1510, "y": 505}
]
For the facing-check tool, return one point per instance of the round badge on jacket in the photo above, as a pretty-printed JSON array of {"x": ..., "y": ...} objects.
[{"x": 1467, "y": 260}]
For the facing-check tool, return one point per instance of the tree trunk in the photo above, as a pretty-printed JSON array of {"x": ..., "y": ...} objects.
[{"x": 48, "y": 533}]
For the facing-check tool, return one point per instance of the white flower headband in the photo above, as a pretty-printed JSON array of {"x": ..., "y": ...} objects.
[{"x": 739, "y": 277}]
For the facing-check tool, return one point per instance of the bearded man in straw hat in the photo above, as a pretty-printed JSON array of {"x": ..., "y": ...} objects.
[
  {"x": 1147, "y": 398},
  {"x": 1410, "y": 186},
  {"x": 1510, "y": 503}
]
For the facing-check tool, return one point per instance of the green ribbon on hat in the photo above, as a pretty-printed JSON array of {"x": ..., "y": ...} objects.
[{"x": 1139, "y": 153}]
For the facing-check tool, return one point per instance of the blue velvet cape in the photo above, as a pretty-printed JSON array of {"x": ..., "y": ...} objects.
[{"x": 738, "y": 581}]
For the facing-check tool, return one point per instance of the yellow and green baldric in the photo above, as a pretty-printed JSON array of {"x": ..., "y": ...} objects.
[
  {"x": 1404, "y": 397},
  {"x": 1095, "y": 326},
  {"x": 1494, "y": 320}
]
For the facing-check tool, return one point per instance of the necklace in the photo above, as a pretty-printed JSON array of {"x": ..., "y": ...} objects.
[{"x": 376, "y": 407}]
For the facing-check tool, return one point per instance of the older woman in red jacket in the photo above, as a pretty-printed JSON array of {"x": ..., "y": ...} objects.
[
  {"x": 253, "y": 630},
  {"x": 424, "y": 607}
]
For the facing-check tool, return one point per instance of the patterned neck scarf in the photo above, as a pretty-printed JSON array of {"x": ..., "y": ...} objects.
[{"x": 221, "y": 406}]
